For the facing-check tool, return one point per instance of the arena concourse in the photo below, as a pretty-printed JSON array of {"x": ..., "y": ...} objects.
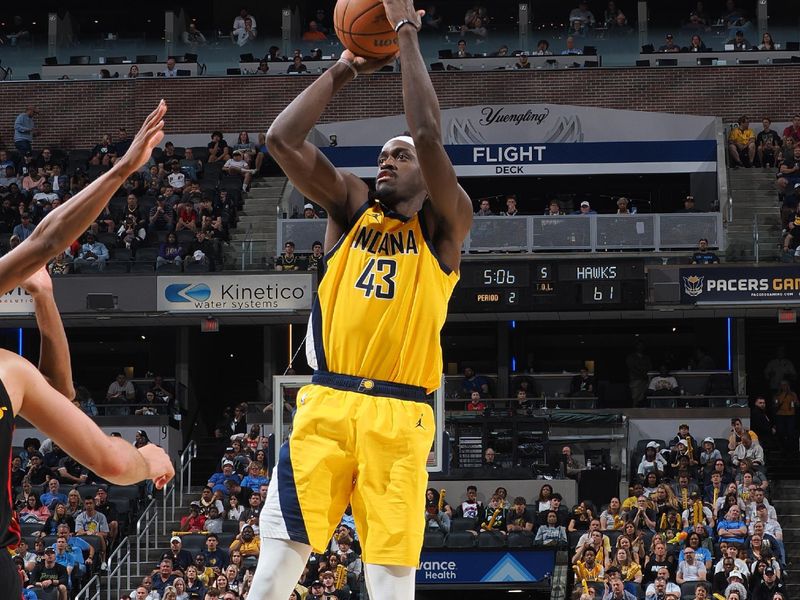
[{"x": 618, "y": 415}]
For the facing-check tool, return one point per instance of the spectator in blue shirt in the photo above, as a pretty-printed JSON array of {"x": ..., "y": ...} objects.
[
  {"x": 474, "y": 383},
  {"x": 585, "y": 209},
  {"x": 24, "y": 127},
  {"x": 214, "y": 556},
  {"x": 92, "y": 255},
  {"x": 217, "y": 481},
  {"x": 24, "y": 229},
  {"x": 53, "y": 494},
  {"x": 164, "y": 577},
  {"x": 253, "y": 479},
  {"x": 67, "y": 558},
  {"x": 732, "y": 528}
]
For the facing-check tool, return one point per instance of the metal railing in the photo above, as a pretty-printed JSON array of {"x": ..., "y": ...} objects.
[
  {"x": 91, "y": 591},
  {"x": 757, "y": 222},
  {"x": 179, "y": 486},
  {"x": 588, "y": 233},
  {"x": 119, "y": 570},
  {"x": 146, "y": 534}
]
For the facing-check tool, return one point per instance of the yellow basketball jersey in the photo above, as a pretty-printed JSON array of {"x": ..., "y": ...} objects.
[{"x": 382, "y": 302}]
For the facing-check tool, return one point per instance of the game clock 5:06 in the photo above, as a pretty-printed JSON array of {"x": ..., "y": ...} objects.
[{"x": 552, "y": 286}]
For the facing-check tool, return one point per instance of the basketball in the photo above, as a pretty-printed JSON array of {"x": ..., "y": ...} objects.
[{"x": 363, "y": 28}]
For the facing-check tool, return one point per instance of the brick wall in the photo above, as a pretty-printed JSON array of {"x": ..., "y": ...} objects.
[{"x": 76, "y": 113}]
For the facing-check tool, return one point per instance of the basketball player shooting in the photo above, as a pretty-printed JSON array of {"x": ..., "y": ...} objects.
[
  {"x": 26, "y": 391},
  {"x": 362, "y": 431}
]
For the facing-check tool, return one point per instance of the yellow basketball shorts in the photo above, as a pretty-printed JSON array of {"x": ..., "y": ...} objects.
[{"x": 354, "y": 441}]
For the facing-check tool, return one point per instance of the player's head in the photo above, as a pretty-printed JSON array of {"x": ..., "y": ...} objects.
[{"x": 399, "y": 176}]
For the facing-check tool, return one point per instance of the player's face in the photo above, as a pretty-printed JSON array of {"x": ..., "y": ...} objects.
[{"x": 399, "y": 176}]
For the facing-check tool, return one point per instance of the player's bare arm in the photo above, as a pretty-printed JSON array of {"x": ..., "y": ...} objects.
[
  {"x": 340, "y": 193},
  {"x": 56, "y": 417},
  {"x": 69, "y": 221},
  {"x": 451, "y": 205},
  {"x": 54, "y": 357}
]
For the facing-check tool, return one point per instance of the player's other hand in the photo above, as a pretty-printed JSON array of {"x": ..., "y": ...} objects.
[
  {"x": 148, "y": 137},
  {"x": 397, "y": 10},
  {"x": 159, "y": 466},
  {"x": 365, "y": 66}
]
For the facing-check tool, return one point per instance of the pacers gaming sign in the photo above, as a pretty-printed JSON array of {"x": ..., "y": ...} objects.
[{"x": 743, "y": 284}]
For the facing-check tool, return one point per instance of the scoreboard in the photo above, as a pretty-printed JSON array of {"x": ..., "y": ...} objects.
[{"x": 550, "y": 286}]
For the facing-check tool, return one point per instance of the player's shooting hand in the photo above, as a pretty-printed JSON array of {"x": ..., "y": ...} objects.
[
  {"x": 365, "y": 66},
  {"x": 399, "y": 10}
]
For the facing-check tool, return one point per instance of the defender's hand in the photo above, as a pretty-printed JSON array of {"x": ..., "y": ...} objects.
[
  {"x": 398, "y": 10},
  {"x": 148, "y": 137},
  {"x": 365, "y": 66}
]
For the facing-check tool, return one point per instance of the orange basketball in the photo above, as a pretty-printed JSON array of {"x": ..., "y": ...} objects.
[{"x": 363, "y": 28}]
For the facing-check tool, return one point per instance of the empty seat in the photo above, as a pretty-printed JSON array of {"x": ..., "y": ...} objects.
[
  {"x": 519, "y": 539},
  {"x": 184, "y": 236},
  {"x": 460, "y": 539},
  {"x": 461, "y": 524},
  {"x": 79, "y": 60},
  {"x": 491, "y": 539},
  {"x": 184, "y": 73},
  {"x": 146, "y": 254},
  {"x": 146, "y": 58},
  {"x": 122, "y": 254},
  {"x": 87, "y": 491},
  {"x": 194, "y": 542},
  {"x": 433, "y": 539},
  {"x": 230, "y": 526},
  {"x": 169, "y": 268},
  {"x": 139, "y": 266},
  {"x": 30, "y": 528}
]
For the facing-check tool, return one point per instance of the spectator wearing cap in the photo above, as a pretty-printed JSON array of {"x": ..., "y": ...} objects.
[
  {"x": 736, "y": 583},
  {"x": 25, "y": 228},
  {"x": 768, "y": 586},
  {"x": 194, "y": 521},
  {"x": 585, "y": 209},
  {"x": 709, "y": 453},
  {"x": 315, "y": 590},
  {"x": 102, "y": 505},
  {"x": 309, "y": 212},
  {"x": 48, "y": 574},
  {"x": 180, "y": 558},
  {"x": 217, "y": 481},
  {"x": 669, "y": 45},
  {"x": 689, "y": 205},
  {"x": 652, "y": 461}
]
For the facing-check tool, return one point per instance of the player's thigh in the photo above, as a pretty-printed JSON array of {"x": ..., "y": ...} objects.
[
  {"x": 316, "y": 467},
  {"x": 393, "y": 443},
  {"x": 10, "y": 583}
]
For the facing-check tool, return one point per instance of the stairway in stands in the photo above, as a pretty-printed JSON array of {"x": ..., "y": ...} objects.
[
  {"x": 784, "y": 479},
  {"x": 257, "y": 226},
  {"x": 754, "y": 193}
]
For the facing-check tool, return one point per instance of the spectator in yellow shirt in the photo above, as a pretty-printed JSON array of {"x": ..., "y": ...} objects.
[
  {"x": 247, "y": 543},
  {"x": 742, "y": 144}
]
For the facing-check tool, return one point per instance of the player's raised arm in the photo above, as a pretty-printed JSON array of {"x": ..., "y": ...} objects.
[
  {"x": 69, "y": 221},
  {"x": 54, "y": 357},
  {"x": 302, "y": 162},
  {"x": 450, "y": 202}
]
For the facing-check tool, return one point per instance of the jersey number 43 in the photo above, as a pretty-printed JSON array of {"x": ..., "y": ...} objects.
[{"x": 377, "y": 278}]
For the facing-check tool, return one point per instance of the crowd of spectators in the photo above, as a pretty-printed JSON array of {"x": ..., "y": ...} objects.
[
  {"x": 174, "y": 214},
  {"x": 697, "y": 516},
  {"x": 218, "y": 545},
  {"x": 70, "y": 518}
]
